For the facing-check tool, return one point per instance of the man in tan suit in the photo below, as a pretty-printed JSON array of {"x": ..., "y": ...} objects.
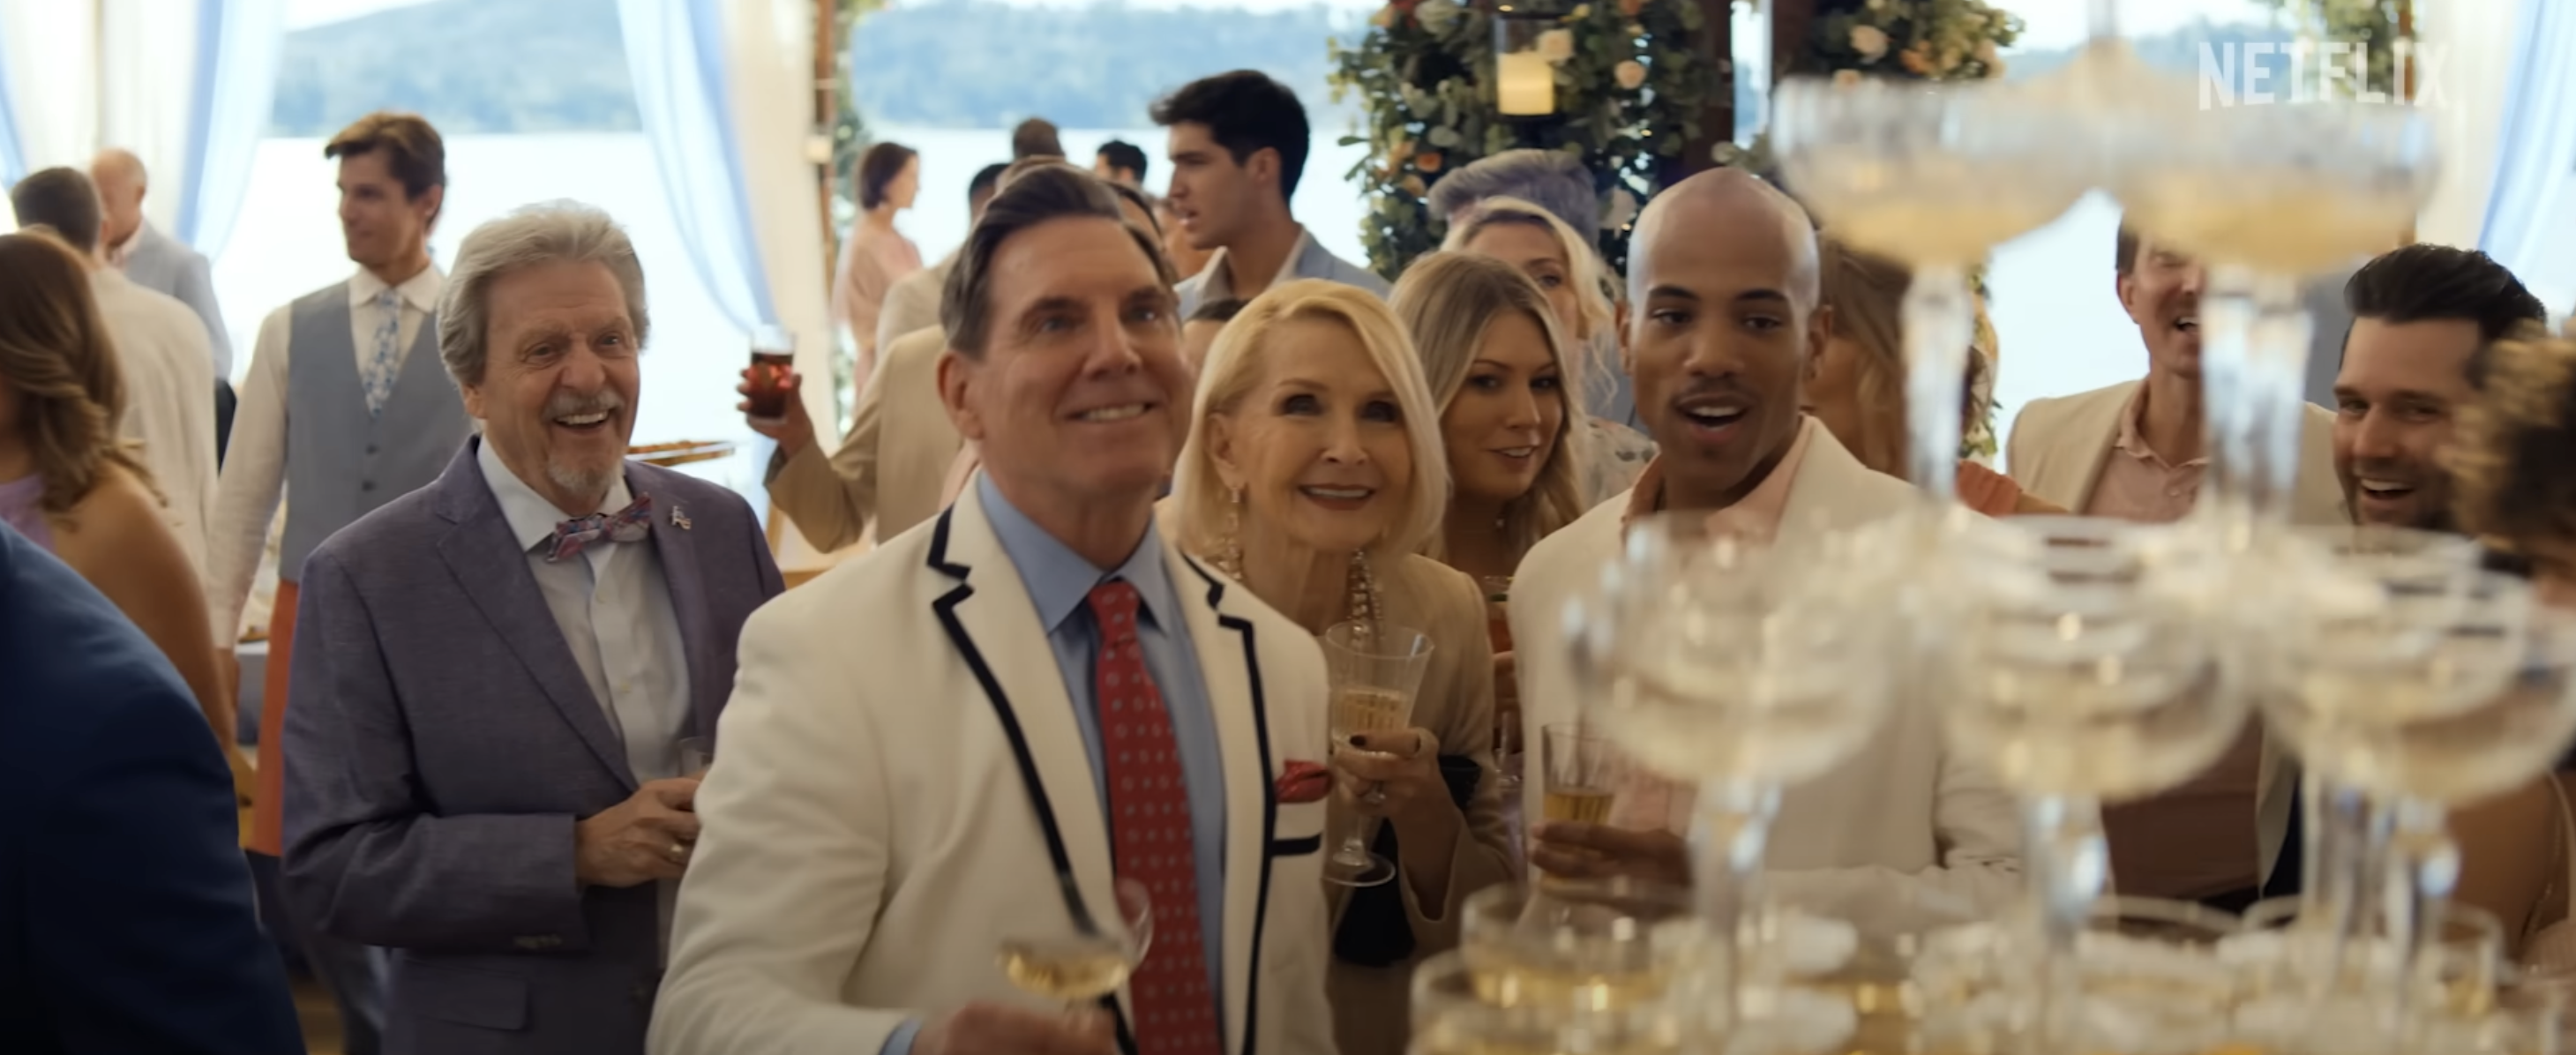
[
  {"x": 887, "y": 471},
  {"x": 2136, "y": 451},
  {"x": 1725, "y": 331}
]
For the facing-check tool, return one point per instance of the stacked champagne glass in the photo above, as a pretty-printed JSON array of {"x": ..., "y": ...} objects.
[{"x": 2077, "y": 661}]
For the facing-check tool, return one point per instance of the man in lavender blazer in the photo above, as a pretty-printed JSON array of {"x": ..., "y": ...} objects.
[{"x": 485, "y": 767}]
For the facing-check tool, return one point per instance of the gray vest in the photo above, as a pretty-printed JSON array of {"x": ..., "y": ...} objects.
[{"x": 341, "y": 463}]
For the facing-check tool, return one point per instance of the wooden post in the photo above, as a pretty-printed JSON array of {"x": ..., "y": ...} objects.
[
  {"x": 827, "y": 114},
  {"x": 1717, "y": 117}
]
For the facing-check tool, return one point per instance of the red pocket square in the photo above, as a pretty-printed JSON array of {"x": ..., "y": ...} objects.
[{"x": 1303, "y": 782}]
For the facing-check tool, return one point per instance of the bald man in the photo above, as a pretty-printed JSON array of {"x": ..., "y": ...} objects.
[
  {"x": 1723, "y": 273},
  {"x": 162, "y": 264}
]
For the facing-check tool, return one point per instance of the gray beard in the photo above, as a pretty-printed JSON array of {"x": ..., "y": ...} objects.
[{"x": 579, "y": 481}]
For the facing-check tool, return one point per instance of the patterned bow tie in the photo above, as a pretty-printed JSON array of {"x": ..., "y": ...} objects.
[{"x": 625, "y": 525}]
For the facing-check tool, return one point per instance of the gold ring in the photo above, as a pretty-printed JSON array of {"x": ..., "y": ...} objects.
[{"x": 679, "y": 851}]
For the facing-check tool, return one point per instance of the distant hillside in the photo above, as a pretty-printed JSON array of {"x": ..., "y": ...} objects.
[
  {"x": 984, "y": 64},
  {"x": 521, "y": 66},
  {"x": 470, "y": 66}
]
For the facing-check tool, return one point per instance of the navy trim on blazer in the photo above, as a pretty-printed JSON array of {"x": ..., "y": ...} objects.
[
  {"x": 1269, "y": 794},
  {"x": 946, "y": 609}
]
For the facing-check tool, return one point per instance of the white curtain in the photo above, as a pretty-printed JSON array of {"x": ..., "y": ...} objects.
[
  {"x": 2536, "y": 158},
  {"x": 228, "y": 100},
  {"x": 2472, "y": 43},
  {"x": 724, "y": 88},
  {"x": 49, "y": 52},
  {"x": 146, "y": 69},
  {"x": 184, "y": 84}
]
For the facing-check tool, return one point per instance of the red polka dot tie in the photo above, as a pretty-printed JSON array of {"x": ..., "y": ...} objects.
[{"x": 1149, "y": 830}]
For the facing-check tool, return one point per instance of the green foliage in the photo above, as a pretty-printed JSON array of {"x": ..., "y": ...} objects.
[
  {"x": 469, "y": 66},
  {"x": 2370, "y": 23},
  {"x": 1424, "y": 74},
  {"x": 1939, "y": 40}
]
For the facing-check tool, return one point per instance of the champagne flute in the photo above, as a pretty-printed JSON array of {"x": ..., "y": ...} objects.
[
  {"x": 1084, "y": 963},
  {"x": 1374, "y": 672}
]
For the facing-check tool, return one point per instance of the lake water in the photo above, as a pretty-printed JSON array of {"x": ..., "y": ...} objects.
[{"x": 2061, "y": 324}]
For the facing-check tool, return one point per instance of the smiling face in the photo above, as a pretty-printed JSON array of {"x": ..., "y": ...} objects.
[
  {"x": 2401, "y": 387},
  {"x": 560, "y": 380},
  {"x": 1080, "y": 395},
  {"x": 1722, "y": 336},
  {"x": 1318, "y": 445},
  {"x": 1504, "y": 423},
  {"x": 2161, "y": 293},
  {"x": 1538, "y": 254}
]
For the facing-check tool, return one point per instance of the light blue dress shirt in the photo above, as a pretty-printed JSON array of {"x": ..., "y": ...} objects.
[{"x": 1060, "y": 581}]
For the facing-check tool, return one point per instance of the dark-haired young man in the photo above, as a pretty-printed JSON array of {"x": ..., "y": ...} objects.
[
  {"x": 1238, "y": 145},
  {"x": 1120, "y": 162},
  {"x": 374, "y": 417},
  {"x": 2422, "y": 317}
]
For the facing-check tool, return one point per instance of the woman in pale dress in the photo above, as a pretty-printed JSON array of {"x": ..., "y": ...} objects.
[
  {"x": 1578, "y": 292},
  {"x": 73, "y": 488},
  {"x": 1313, "y": 473},
  {"x": 875, "y": 255},
  {"x": 1858, "y": 388}
]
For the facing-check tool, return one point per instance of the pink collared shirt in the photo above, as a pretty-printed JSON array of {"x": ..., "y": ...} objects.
[
  {"x": 2196, "y": 840},
  {"x": 1646, "y": 801},
  {"x": 2139, "y": 484}
]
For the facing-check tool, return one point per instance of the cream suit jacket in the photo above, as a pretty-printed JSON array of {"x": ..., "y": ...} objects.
[
  {"x": 903, "y": 779},
  {"x": 1902, "y": 834},
  {"x": 890, "y": 467},
  {"x": 2056, "y": 453}
]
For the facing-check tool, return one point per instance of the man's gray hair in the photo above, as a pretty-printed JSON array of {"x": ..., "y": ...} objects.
[
  {"x": 1550, "y": 179},
  {"x": 544, "y": 233}
]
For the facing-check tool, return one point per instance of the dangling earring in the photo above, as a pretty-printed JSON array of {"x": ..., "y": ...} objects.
[{"x": 1229, "y": 551}]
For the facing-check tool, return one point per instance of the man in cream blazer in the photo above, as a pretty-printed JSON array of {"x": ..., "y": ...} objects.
[
  {"x": 913, "y": 771},
  {"x": 2058, "y": 448},
  {"x": 889, "y": 469},
  {"x": 1904, "y": 833},
  {"x": 2133, "y": 451}
]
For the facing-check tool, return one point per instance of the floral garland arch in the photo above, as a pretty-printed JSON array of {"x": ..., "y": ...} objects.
[
  {"x": 1629, "y": 92},
  {"x": 1630, "y": 87}
]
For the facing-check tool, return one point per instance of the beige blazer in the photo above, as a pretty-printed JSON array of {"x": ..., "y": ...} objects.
[
  {"x": 890, "y": 467},
  {"x": 2058, "y": 447},
  {"x": 904, "y": 777},
  {"x": 1371, "y": 1005},
  {"x": 1899, "y": 824},
  {"x": 2056, "y": 452}
]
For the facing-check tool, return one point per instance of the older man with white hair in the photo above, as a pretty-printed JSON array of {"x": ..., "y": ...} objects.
[{"x": 485, "y": 767}]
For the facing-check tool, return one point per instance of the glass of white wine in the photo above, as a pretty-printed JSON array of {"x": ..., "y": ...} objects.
[
  {"x": 1086, "y": 962},
  {"x": 1583, "y": 773},
  {"x": 1374, "y": 671},
  {"x": 1586, "y": 945},
  {"x": 1454, "y": 1014}
]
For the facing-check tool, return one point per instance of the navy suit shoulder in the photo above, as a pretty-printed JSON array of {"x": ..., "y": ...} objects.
[{"x": 129, "y": 924}]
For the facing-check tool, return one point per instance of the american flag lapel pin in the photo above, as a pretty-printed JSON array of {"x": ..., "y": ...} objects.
[{"x": 679, "y": 519}]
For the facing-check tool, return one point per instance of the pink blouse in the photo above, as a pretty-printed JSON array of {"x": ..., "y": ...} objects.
[{"x": 871, "y": 262}]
